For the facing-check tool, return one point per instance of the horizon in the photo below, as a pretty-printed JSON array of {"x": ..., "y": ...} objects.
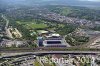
[{"x": 83, "y": 3}]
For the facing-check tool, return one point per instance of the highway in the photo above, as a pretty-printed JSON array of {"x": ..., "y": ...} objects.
[
  {"x": 40, "y": 53},
  {"x": 66, "y": 52}
]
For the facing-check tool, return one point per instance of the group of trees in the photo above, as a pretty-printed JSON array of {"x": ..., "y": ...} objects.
[
  {"x": 97, "y": 28},
  {"x": 76, "y": 40},
  {"x": 25, "y": 32},
  {"x": 68, "y": 28}
]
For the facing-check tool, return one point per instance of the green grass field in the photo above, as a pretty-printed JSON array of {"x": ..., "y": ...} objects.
[
  {"x": 35, "y": 26},
  {"x": 32, "y": 25}
]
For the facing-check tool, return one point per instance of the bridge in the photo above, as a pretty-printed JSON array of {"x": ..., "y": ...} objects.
[
  {"x": 66, "y": 52},
  {"x": 41, "y": 53}
]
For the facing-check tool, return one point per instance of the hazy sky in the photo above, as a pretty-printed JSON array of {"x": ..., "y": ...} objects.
[
  {"x": 79, "y": 0},
  {"x": 91, "y": 0},
  {"x": 52, "y": 0}
]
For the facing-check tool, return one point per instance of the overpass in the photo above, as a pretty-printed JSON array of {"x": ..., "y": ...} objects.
[
  {"x": 66, "y": 52},
  {"x": 41, "y": 53}
]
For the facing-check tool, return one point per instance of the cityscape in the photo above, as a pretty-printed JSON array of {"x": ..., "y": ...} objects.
[{"x": 49, "y": 33}]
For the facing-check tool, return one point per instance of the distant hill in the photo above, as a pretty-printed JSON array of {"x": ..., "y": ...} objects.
[
  {"x": 76, "y": 11},
  {"x": 50, "y": 2}
]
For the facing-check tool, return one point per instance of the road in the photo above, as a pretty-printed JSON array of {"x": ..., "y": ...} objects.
[
  {"x": 6, "y": 26},
  {"x": 92, "y": 40},
  {"x": 68, "y": 45},
  {"x": 8, "y": 55},
  {"x": 24, "y": 60},
  {"x": 7, "y": 21}
]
